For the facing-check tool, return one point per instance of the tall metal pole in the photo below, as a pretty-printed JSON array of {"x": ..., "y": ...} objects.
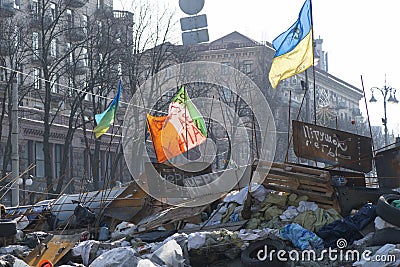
[
  {"x": 385, "y": 119},
  {"x": 308, "y": 111},
  {"x": 313, "y": 66},
  {"x": 14, "y": 144}
]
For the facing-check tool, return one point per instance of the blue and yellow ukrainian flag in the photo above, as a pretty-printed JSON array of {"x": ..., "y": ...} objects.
[
  {"x": 294, "y": 48},
  {"x": 105, "y": 119}
]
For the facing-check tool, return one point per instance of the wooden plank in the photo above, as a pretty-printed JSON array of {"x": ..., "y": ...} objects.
[
  {"x": 53, "y": 250},
  {"x": 295, "y": 184},
  {"x": 314, "y": 188},
  {"x": 301, "y": 180},
  {"x": 317, "y": 188},
  {"x": 297, "y": 168},
  {"x": 294, "y": 175},
  {"x": 273, "y": 179},
  {"x": 296, "y": 191},
  {"x": 323, "y": 185}
]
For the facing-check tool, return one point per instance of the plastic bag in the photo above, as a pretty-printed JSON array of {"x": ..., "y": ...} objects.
[
  {"x": 123, "y": 229},
  {"x": 300, "y": 237}
]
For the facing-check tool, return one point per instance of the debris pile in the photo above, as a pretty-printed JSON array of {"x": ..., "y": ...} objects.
[{"x": 230, "y": 233}]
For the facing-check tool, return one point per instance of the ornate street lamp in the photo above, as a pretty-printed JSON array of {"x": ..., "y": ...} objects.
[{"x": 389, "y": 95}]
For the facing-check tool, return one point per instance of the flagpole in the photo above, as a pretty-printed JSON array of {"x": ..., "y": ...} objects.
[
  {"x": 313, "y": 65},
  {"x": 186, "y": 125}
]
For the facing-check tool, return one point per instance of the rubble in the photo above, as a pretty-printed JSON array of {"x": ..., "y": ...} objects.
[{"x": 201, "y": 236}]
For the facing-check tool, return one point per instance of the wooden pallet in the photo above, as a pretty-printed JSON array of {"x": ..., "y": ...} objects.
[{"x": 301, "y": 180}]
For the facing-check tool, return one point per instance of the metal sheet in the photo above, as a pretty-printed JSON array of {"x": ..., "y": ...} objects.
[
  {"x": 170, "y": 215},
  {"x": 388, "y": 168},
  {"x": 128, "y": 204},
  {"x": 195, "y": 37},
  {"x": 332, "y": 146},
  {"x": 192, "y": 23},
  {"x": 354, "y": 197},
  {"x": 63, "y": 208}
]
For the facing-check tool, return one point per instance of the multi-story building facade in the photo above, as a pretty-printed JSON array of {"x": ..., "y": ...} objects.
[
  {"x": 68, "y": 55},
  {"x": 336, "y": 101}
]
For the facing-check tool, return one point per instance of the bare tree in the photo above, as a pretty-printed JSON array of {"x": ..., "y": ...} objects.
[
  {"x": 53, "y": 23},
  {"x": 12, "y": 55},
  {"x": 106, "y": 48}
]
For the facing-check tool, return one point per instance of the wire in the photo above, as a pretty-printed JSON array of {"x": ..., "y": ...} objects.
[
  {"x": 93, "y": 94},
  {"x": 78, "y": 90}
]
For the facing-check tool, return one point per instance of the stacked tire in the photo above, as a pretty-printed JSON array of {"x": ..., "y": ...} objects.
[{"x": 386, "y": 211}]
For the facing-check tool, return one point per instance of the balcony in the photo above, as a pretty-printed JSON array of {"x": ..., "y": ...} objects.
[
  {"x": 125, "y": 17},
  {"x": 74, "y": 35},
  {"x": 76, "y": 3},
  {"x": 6, "y": 8},
  {"x": 38, "y": 22}
]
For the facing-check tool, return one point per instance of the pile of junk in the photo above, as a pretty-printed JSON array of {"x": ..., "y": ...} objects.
[{"x": 298, "y": 216}]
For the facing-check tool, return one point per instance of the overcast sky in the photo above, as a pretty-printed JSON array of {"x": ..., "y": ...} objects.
[{"x": 361, "y": 37}]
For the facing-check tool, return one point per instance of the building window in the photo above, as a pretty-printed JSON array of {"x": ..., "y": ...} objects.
[
  {"x": 227, "y": 93},
  {"x": 58, "y": 149},
  {"x": 85, "y": 23},
  {"x": 169, "y": 73},
  {"x": 17, "y": 4},
  {"x": 35, "y": 6},
  {"x": 21, "y": 76},
  {"x": 85, "y": 57},
  {"x": 70, "y": 55},
  {"x": 54, "y": 84},
  {"x": 36, "y": 78},
  {"x": 247, "y": 64},
  {"x": 39, "y": 160},
  {"x": 100, "y": 28},
  {"x": 2, "y": 71},
  {"x": 17, "y": 36},
  {"x": 70, "y": 19},
  {"x": 26, "y": 156},
  {"x": 225, "y": 68},
  {"x": 35, "y": 42},
  {"x": 53, "y": 48},
  {"x": 53, "y": 11},
  {"x": 87, "y": 95},
  {"x": 294, "y": 80}
]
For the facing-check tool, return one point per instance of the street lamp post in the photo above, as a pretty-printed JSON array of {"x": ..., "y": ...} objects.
[{"x": 386, "y": 91}]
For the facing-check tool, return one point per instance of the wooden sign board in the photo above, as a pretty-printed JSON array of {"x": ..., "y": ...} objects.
[{"x": 332, "y": 146}]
